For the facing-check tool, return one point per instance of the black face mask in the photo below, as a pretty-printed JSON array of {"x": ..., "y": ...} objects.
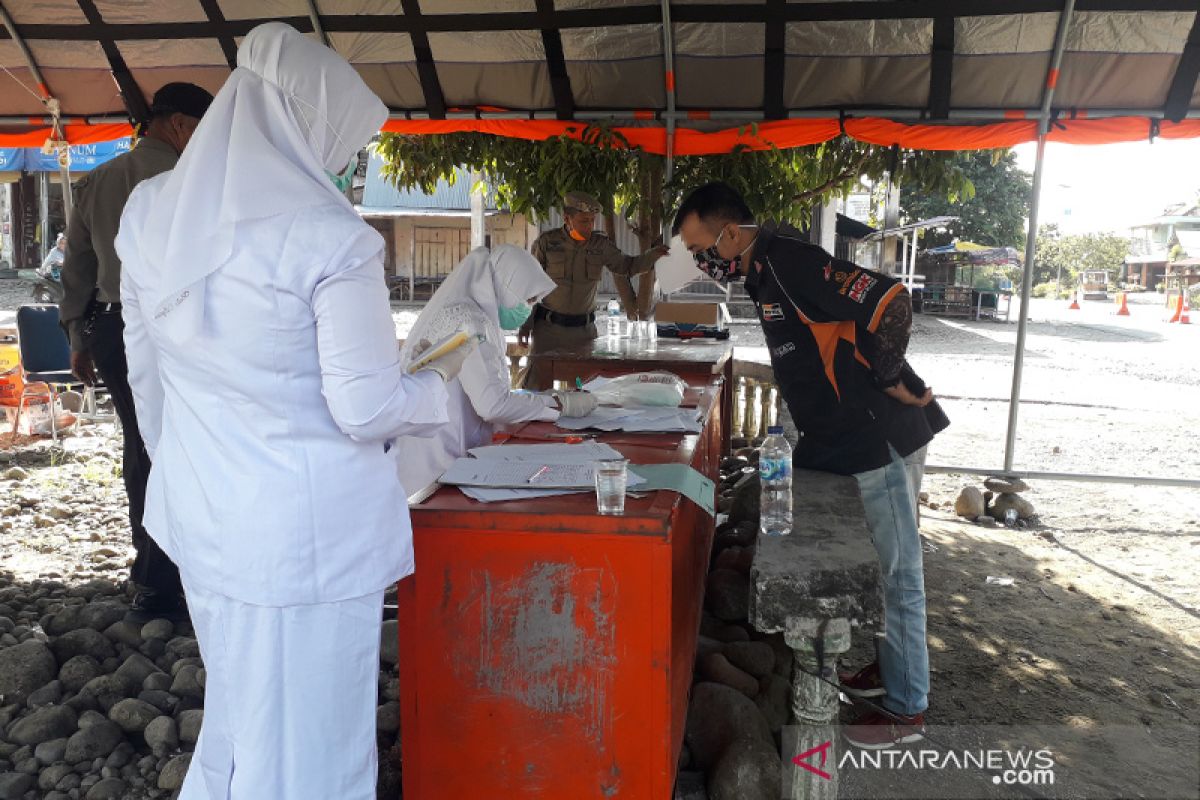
[{"x": 720, "y": 269}]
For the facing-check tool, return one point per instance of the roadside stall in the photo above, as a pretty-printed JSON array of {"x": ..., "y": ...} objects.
[{"x": 952, "y": 287}]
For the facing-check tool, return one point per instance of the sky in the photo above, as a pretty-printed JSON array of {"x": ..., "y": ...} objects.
[{"x": 1110, "y": 187}]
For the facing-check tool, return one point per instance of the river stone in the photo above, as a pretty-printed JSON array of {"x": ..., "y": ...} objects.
[
  {"x": 107, "y": 789},
  {"x": 715, "y": 629},
  {"x": 124, "y": 632},
  {"x": 387, "y": 717},
  {"x": 157, "y": 682},
  {"x": 1006, "y": 485},
  {"x": 136, "y": 669},
  {"x": 189, "y": 725},
  {"x": 162, "y": 735},
  {"x": 108, "y": 690},
  {"x": 82, "y": 642},
  {"x": 186, "y": 684},
  {"x": 717, "y": 716},
  {"x": 76, "y": 673},
  {"x": 969, "y": 503},
  {"x": 42, "y": 725},
  {"x": 133, "y": 715},
  {"x": 1006, "y": 501},
  {"x": 389, "y": 643},
  {"x": 24, "y": 668},
  {"x": 52, "y": 774},
  {"x": 727, "y": 595},
  {"x": 747, "y": 496},
  {"x": 715, "y": 667},
  {"x": 95, "y": 741},
  {"x": 172, "y": 775},
  {"x": 750, "y": 769},
  {"x": 51, "y": 752},
  {"x": 99, "y": 616},
  {"x": 14, "y": 785},
  {"x": 775, "y": 701},
  {"x": 737, "y": 558},
  {"x": 66, "y": 620},
  {"x": 158, "y": 629},
  {"x": 48, "y": 695},
  {"x": 756, "y": 658}
]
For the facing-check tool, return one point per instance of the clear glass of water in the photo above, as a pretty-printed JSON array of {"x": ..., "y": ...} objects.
[{"x": 610, "y": 486}]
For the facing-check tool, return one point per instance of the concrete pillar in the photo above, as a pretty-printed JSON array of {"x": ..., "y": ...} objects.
[
  {"x": 816, "y": 643},
  {"x": 478, "y": 224},
  {"x": 828, "y": 226}
]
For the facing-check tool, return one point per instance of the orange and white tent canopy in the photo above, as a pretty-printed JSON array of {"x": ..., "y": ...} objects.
[{"x": 934, "y": 74}]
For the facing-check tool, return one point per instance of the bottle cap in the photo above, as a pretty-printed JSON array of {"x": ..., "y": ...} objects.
[{"x": 774, "y": 430}]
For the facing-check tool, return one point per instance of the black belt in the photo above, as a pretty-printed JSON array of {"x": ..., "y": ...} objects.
[
  {"x": 565, "y": 320},
  {"x": 106, "y": 308}
]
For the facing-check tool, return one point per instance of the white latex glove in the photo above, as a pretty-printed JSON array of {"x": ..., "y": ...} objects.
[
  {"x": 449, "y": 365},
  {"x": 576, "y": 404}
]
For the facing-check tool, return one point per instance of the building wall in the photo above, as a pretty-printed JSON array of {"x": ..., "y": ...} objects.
[{"x": 439, "y": 243}]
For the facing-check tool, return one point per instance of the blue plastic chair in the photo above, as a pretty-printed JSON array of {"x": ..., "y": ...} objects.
[{"x": 45, "y": 359}]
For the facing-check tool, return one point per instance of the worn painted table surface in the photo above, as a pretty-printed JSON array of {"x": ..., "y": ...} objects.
[
  {"x": 546, "y": 651},
  {"x": 691, "y": 359}
]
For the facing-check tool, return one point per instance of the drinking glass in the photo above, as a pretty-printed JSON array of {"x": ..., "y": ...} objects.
[{"x": 611, "y": 477}]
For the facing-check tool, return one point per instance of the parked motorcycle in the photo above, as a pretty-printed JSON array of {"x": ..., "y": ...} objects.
[{"x": 47, "y": 287}]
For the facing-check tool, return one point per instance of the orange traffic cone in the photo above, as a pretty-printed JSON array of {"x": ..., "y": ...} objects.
[
  {"x": 1122, "y": 305},
  {"x": 1074, "y": 302},
  {"x": 1178, "y": 309},
  {"x": 1183, "y": 314}
]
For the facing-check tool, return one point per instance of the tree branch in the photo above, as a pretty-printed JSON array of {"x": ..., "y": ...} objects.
[{"x": 847, "y": 174}]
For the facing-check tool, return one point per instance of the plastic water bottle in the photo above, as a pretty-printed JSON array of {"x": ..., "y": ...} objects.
[
  {"x": 613, "y": 311},
  {"x": 775, "y": 472}
]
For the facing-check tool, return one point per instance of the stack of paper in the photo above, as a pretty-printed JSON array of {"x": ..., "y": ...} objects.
[{"x": 517, "y": 472}]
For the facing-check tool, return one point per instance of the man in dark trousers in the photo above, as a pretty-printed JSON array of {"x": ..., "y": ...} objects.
[
  {"x": 837, "y": 335},
  {"x": 91, "y": 314}
]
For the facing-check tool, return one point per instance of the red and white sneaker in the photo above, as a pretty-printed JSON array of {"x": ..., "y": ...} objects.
[
  {"x": 867, "y": 682},
  {"x": 875, "y": 731}
]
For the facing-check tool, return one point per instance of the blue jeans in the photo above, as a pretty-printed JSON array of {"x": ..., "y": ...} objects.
[{"x": 890, "y": 500}]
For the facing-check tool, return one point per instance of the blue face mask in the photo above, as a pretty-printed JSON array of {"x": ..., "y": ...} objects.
[
  {"x": 513, "y": 318},
  {"x": 342, "y": 179}
]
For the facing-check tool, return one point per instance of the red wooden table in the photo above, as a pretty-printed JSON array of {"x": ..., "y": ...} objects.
[{"x": 546, "y": 651}]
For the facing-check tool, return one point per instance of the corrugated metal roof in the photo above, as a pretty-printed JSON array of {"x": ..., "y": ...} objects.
[{"x": 379, "y": 193}]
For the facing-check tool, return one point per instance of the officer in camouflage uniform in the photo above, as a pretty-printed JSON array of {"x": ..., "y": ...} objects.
[{"x": 574, "y": 256}]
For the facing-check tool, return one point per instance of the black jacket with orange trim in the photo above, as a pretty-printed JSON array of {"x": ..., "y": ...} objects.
[{"x": 820, "y": 316}]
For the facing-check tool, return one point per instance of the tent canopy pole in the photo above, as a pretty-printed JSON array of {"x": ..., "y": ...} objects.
[{"x": 1060, "y": 41}]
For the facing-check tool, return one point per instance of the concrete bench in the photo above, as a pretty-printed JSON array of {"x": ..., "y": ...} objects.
[{"x": 815, "y": 586}]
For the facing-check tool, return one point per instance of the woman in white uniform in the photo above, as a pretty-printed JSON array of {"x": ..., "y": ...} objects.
[
  {"x": 263, "y": 361},
  {"x": 489, "y": 293}
]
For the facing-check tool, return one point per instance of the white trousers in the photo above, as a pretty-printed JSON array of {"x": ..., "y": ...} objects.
[{"x": 290, "y": 697}]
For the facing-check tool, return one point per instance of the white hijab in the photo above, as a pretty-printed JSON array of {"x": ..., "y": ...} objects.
[
  {"x": 503, "y": 277},
  {"x": 292, "y": 110}
]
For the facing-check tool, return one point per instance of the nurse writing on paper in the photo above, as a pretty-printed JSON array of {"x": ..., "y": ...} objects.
[
  {"x": 489, "y": 293},
  {"x": 263, "y": 363}
]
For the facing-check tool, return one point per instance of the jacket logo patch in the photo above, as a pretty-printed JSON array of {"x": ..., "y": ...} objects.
[
  {"x": 848, "y": 280},
  {"x": 772, "y": 312},
  {"x": 858, "y": 292},
  {"x": 829, "y": 270},
  {"x": 783, "y": 349}
]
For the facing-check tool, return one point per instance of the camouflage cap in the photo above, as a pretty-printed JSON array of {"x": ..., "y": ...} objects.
[{"x": 581, "y": 201}]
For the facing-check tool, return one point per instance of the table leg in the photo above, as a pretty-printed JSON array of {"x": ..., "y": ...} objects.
[{"x": 816, "y": 642}]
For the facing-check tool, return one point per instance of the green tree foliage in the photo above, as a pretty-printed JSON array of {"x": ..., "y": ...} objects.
[
  {"x": 530, "y": 177},
  {"x": 1076, "y": 253},
  {"x": 993, "y": 214}
]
